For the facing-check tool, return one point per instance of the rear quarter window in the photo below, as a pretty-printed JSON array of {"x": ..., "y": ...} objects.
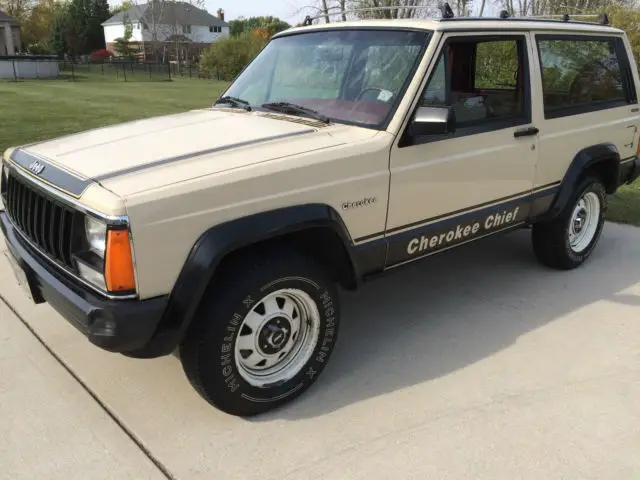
[{"x": 582, "y": 74}]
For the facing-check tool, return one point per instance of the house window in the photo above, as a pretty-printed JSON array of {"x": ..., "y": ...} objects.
[
  {"x": 211, "y": 27},
  {"x": 186, "y": 28}
]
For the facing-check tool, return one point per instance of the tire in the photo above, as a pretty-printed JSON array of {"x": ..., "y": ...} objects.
[
  {"x": 567, "y": 241},
  {"x": 275, "y": 303}
]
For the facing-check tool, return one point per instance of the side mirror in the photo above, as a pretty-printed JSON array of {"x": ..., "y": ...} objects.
[{"x": 433, "y": 121}]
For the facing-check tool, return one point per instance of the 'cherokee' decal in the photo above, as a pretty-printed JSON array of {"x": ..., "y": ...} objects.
[{"x": 363, "y": 202}]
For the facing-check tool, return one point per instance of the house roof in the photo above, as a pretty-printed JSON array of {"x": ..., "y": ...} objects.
[
  {"x": 6, "y": 18},
  {"x": 167, "y": 13}
]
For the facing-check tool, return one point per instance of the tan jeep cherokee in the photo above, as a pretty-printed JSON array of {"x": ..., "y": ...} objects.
[{"x": 342, "y": 151}]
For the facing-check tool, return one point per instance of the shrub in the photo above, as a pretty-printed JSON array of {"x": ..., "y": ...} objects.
[
  {"x": 228, "y": 56},
  {"x": 101, "y": 55},
  {"x": 37, "y": 49}
]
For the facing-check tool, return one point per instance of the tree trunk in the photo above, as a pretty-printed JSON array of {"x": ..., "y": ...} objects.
[{"x": 325, "y": 10}]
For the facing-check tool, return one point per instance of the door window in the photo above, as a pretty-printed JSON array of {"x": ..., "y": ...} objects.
[{"x": 484, "y": 80}]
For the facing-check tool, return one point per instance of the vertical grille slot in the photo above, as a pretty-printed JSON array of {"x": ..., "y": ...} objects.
[{"x": 46, "y": 223}]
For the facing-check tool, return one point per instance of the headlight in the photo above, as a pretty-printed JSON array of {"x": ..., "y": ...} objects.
[
  {"x": 106, "y": 260},
  {"x": 96, "y": 232}
]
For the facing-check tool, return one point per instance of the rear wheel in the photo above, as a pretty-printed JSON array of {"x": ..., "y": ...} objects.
[
  {"x": 263, "y": 334},
  {"x": 568, "y": 240}
]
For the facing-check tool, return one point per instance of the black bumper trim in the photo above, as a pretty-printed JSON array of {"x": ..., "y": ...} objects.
[{"x": 114, "y": 325}]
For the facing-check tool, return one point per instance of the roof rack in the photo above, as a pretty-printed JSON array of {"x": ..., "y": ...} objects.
[
  {"x": 389, "y": 12},
  {"x": 446, "y": 13},
  {"x": 603, "y": 18}
]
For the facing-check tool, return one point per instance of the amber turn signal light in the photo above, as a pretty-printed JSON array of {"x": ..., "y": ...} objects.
[{"x": 118, "y": 268}]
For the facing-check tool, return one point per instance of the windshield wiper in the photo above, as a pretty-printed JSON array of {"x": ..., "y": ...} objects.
[
  {"x": 235, "y": 102},
  {"x": 286, "y": 107}
]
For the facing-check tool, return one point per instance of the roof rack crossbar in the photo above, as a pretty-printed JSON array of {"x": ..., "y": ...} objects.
[{"x": 602, "y": 17}]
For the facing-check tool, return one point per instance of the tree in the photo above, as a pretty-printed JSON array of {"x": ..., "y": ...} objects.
[
  {"x": 99, "y": 12},
  {"x": 152, "y": 22},
  {"x": 37, "y": 27},
  {"x": 181, "y": 25},
  {"x": 58, "y": 43},
  {"x": 557, "y": 7},
  {"x": 122, "y": 44},
  {"x": 271, "y": 25},
  {"x": 125, "y": 5},
  {"x": 18, "y": 9},
  {"x": 390, "y": 9},
  {"x": 228, "y": 56}
]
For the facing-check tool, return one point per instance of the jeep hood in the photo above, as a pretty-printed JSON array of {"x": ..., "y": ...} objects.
[{"x": 183, "y": 146}]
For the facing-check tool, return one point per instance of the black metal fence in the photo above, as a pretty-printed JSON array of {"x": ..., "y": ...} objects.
[{"x": 22, "y": 68}]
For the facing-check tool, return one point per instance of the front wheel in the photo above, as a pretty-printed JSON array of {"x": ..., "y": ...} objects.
[
  {"x": 263, "y": 334},
  {"x": 568, "y": 240}
]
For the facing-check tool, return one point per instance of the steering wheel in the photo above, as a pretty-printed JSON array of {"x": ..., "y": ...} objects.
[{"x": 372, "y": 87}]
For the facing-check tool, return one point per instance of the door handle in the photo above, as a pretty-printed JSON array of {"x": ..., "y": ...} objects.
[{"x": 524, "y": 132}]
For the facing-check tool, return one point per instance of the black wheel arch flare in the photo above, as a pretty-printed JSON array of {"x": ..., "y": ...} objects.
[
  {"x": 604, "y": 158},
  {"x": 223, "y": 239}
]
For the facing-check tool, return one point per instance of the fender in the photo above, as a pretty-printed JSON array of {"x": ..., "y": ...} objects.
[
  {"x": 605, "y": 154},
  {"x": 217, "y": 242}
]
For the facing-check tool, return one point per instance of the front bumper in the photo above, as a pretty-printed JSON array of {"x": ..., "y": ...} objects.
[{"x": 114, "y": 325}]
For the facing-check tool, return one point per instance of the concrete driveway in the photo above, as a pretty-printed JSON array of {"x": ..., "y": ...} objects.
[{"x": 477, "y": 364}]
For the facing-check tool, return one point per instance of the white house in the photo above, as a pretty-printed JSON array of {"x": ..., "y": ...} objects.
[{"x": 171, "y": 24}]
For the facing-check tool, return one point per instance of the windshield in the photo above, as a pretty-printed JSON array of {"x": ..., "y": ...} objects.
[{"x": 350, "y": 76}]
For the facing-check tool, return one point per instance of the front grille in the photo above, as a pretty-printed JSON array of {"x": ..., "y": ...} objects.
[{"x": 45, "y": 222}]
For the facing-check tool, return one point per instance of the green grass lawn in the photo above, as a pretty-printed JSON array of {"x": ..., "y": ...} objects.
[
  {"x": 40, "y": 109},
  {"x": 624, "y": 206}
]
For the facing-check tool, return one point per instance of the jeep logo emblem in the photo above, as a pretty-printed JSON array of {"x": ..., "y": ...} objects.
[{"x": 36, "y": 167}]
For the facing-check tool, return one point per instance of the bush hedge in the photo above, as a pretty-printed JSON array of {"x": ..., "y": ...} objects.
[{"x": 227, "y": 57}]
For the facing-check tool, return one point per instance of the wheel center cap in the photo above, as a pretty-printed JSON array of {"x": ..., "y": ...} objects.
[
  {"x": 274, "y": 335},
  {"x": 578, "y": 223}
]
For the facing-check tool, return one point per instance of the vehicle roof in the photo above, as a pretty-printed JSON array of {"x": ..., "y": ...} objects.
[{"x": 466, "y": 24}]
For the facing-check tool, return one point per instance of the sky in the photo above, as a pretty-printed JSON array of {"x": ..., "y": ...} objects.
[{"x": 291, "y": 11}]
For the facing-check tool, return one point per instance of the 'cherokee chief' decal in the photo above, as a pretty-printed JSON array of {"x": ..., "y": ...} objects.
[{"x": 463, "y": 231}]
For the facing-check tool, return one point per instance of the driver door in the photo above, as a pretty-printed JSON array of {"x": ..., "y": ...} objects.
[{"x": 449, "y": 189}]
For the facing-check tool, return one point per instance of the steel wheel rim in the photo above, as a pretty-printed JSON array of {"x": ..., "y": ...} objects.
[
  {"x": 277, "y": 337},
  {"x": 584, "y": 222}
]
